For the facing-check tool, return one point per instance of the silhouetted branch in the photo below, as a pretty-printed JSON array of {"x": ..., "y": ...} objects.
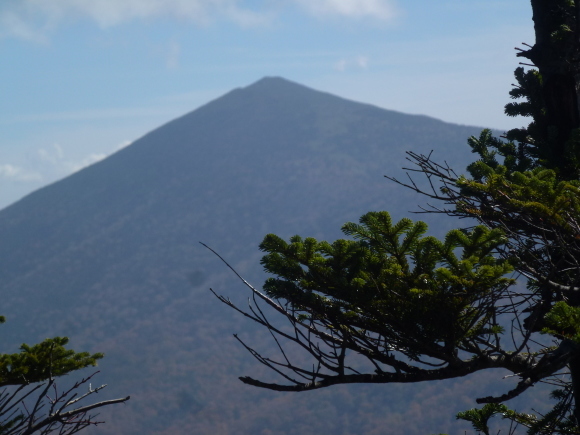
[{"x": 61, "y": 415}]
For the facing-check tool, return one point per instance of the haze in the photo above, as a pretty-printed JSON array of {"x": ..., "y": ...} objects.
[{"x": 81, "y": 80}]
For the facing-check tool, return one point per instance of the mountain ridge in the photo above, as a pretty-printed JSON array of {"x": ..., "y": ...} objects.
[
  {"x": 264, "y": 85},
  {"x": 110, "y": 256}
]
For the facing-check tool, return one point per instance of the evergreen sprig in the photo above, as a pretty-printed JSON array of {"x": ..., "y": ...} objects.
[
  {"x": 393, "y": 280},
  {"x": 41, "y": 361}
]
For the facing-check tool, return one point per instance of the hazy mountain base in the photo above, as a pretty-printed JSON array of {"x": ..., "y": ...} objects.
[{"x": 109, "y": 257}]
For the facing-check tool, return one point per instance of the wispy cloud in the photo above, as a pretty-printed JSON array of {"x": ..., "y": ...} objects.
[
  {"x": 87, "y": 161},
  {"x": 358, "y": 62},
  {"x": 15, "y": 24},
  {"x": 43, "y": 166},
  {"x": 18, "y": 174},
  {"x": 123, "y": 144},
  {"x": 379, "y": 9},
  {"x": 88, "y": 114},
  {"x": 362, "y": 62},
  {"x": 59, "y": 164},
  {"x": 340, "y": 65},
  {"x": 173, "y": 55},
  {"x": 35, "y": 19}
]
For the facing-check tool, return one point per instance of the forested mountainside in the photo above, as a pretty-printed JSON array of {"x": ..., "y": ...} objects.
[{"x": 110, "y": 257}]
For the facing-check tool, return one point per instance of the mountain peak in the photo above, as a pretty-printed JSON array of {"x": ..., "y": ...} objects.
[
  {"x": 275, "y": 84},
  {"x": 109, "y": 256},
  {"x": 272, "y": 80}
]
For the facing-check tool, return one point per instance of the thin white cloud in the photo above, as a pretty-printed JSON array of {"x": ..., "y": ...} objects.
[
  {"x": 173, "y": 55},
  {"x": 35, "y": 19},
  {"x": 59, "y": 163},
  {"x": 378, "y": 9},
  {"x": 16, "y": 25},
  {"x": 18, "y": 174},
  {"x": 340, "y": 65},
  {"x": 44, "y": 166},
  {"x": 87, "y": 161},
  {"x": 123, "y": 144},
  {"x": 52, "y": 155},
  {"x": 362, "y": 62},
  {"x": 359, "y": 62},
  {"x": 88, "y": 114}
]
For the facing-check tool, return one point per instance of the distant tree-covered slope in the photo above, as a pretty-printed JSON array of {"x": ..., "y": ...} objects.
[{"x": 110, "y": 257}]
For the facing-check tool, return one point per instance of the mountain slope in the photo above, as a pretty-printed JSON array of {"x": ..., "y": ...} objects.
[{"x": 109, "y": 256}]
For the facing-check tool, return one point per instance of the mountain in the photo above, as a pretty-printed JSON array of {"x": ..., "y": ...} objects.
[{"x": 110, "y": 257}]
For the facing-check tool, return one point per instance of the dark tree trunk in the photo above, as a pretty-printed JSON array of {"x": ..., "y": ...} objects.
[
  {"x": 556, "y": 54},
  {"x": 575, "y": 371}
]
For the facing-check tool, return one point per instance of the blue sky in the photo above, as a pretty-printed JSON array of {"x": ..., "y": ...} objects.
[{"x": 82, "y": 78}]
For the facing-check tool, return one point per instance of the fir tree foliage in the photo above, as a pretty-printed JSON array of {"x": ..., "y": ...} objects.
[
  {"x": 563, "y": 321},
  {"x": 479, "y": 418},
  {"x": 31, "y": 403},
  {"x": 416, "y": 293},
  {"x": 529, "y": 187},
  {"x": 39, "y": 362},
  {"x": 418, "y": 308}
]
